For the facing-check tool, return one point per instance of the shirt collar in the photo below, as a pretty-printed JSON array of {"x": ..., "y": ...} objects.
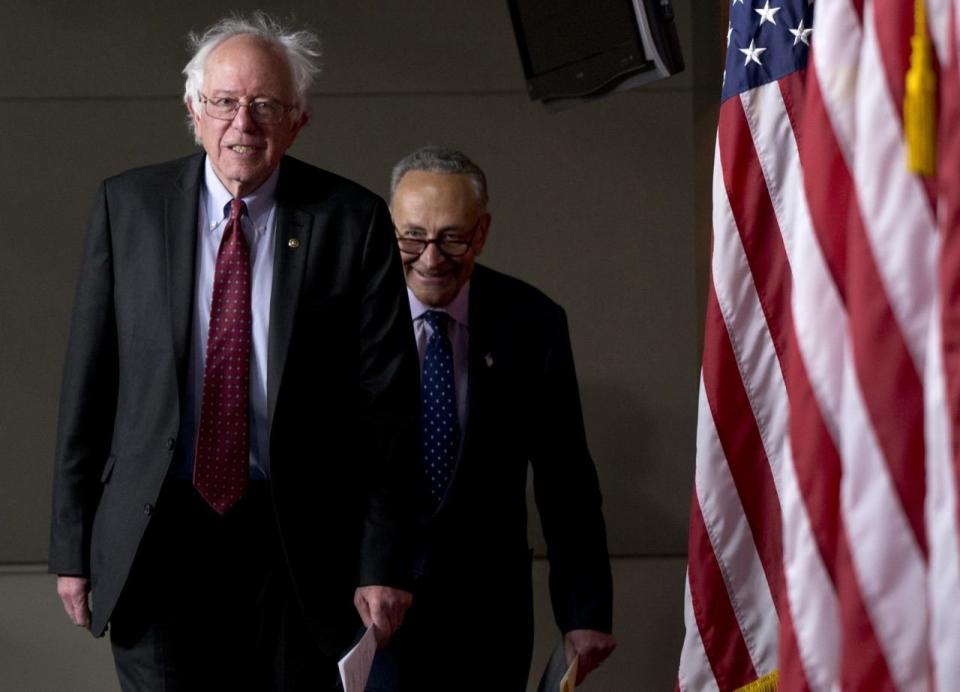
[
  {"x": 259, "y": 202},
  {"x": 458, "y": 308}
]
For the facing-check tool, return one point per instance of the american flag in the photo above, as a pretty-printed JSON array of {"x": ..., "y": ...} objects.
[{"x": 823, "y": 545}]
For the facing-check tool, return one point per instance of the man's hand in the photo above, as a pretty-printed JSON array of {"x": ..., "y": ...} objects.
[
  {"x": 590, "y": 646},
  {"x": 73, "y": 592},
  {"x": 383, "y": 607}
]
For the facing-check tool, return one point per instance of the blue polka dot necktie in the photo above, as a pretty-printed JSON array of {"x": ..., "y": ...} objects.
[
  {"x": 441, "y": 425},
  {"x": 221, "y": 464}
]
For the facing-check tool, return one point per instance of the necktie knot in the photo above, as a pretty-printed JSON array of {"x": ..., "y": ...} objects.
[
  {"x": 437, "y": 319},
  {"x": 237, "y": 209}
]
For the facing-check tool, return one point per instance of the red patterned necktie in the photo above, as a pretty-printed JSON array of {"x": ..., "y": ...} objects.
[{"x": 221, "y": 466}]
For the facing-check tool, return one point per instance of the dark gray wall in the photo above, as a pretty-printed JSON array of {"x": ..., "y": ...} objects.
[{"x": 605, "y": 207}]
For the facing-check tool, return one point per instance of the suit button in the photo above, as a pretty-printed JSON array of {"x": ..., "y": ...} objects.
[
  {"x": 148, "y": 509},
  {"x": 171, "y": 443}
]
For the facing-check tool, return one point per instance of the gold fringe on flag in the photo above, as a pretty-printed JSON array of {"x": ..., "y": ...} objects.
[
  {"x": 919, "y": 103},
  {"x": 768, "y": 683}
]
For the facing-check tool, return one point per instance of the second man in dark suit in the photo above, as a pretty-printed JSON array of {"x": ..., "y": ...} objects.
[{"x": 499, "y": 393}]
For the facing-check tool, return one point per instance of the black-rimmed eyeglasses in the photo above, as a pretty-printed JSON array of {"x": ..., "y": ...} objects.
[
  {"x": 263, "y": 111},
  {"x": 451, "y": 247}
]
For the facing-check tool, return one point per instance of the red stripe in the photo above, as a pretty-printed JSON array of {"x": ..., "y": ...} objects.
[
  {"x": 830, "y": 187},
  {"x": 755, "y": 218},
  {"x": 864, "y": 666},
  {"x": 949, "y": 187},
  {"x": 742, "y": 446},
  {"x": 892, "y": 387},
  {"x": 793, "y": 678},
  {"x": 720, "y": 632}
]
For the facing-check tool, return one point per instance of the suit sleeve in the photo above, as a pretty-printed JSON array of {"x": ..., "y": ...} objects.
[
  {"x": 87, "y": 401},
  {"x": 390, "y": 411},
  {"x": 568, "y": 497}
]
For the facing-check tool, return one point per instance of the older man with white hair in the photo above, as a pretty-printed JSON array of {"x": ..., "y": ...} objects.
[{"x": 238, "y": 417}]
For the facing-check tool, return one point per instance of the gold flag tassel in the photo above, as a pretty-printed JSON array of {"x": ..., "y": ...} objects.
[
  {"x": 768, "y": 683},
  {"x": 919, "y": 103}
]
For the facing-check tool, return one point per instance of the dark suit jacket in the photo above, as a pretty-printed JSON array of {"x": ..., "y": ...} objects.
[
  {"x": 342, "y": 384},
  {"x": 523, "y": 407}
]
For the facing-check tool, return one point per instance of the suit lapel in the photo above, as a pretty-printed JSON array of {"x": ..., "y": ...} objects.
[
  {"x": 289, "y": 263},
  {"x": 180, "y": 229},
  {"x": 480, "y": 364}
]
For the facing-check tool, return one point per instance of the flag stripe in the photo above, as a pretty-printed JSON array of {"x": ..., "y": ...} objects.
[
  {"x": 716, "y": 621},
  {"x": 735, "y": 550},
  {"x": 743, "y": 451},
  {"x": 695, "y": 672}
]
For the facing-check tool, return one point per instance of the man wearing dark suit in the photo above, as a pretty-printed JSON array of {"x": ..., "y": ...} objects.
[
  {"x": 238, "y": 423},
  {"x": 499, "y": 393}
]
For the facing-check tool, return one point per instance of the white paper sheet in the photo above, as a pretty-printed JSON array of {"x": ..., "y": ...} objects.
[{"x": 355, "y": 665}]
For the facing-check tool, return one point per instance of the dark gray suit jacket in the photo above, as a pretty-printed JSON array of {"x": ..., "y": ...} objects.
[{"x": 342, "y": 384}]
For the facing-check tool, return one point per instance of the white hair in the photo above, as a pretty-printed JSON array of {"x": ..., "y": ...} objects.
[{"x": 300, "y": 48}]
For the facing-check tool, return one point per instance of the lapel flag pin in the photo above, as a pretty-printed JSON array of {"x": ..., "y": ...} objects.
[{"x": 294, "y": 243}]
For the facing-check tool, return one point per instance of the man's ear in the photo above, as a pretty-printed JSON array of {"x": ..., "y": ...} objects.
[
  {"x": 483, "y": 229},
  {"x": 194, "y": 118},
  {"x": 300, "y": 123}
]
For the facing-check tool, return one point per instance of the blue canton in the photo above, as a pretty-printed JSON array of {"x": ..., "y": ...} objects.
[
  {"x": 766, "y": 40},
  {"x": 441, "y": 424}
]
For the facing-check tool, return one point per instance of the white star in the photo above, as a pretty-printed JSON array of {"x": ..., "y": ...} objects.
[
  {"x": 767, "y": 13},
  {"x": 752, "y": 53},
  {"x": 730, "y": 31},
  {"x": 801, "y": 34}
]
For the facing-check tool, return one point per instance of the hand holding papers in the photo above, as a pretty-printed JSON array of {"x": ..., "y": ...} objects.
[{"x": 355, "y": 665}]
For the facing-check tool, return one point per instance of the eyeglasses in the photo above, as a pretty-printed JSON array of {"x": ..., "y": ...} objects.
[
  {"x": 264, "y": 111},
  {"x": 451, "y": 247}
]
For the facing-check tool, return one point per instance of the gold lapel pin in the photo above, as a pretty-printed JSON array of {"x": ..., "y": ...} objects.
[{"x": 294, "y": 243}]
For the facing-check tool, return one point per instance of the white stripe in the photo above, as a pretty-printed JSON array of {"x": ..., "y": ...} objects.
[
  {"x": 733, "y": 545},
  {"x": 749, "y": 334},
  {"x": 695, "y": 673},
  {"x": 810, "y": 594},
  {"x": 897, "y": 217},
  {"x": 835, "y": 49},
  {"x": 938, "y": 23}
]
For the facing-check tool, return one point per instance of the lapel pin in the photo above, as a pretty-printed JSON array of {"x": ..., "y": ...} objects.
[
  {"x": 294, "y": 243},
  {"x": 488, "y": 359}
]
